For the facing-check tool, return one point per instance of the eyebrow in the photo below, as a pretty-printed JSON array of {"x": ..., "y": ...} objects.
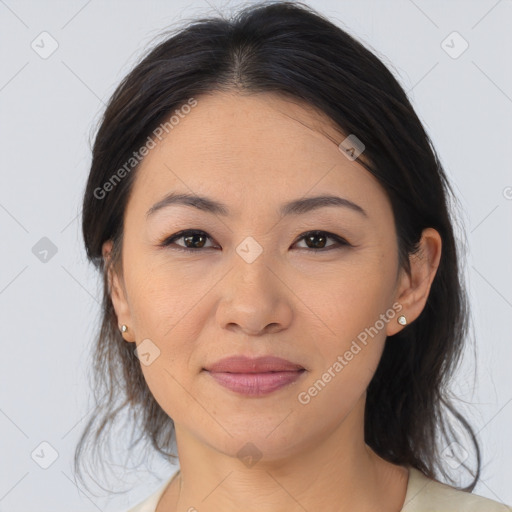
[{"x": 295, "y": 207}]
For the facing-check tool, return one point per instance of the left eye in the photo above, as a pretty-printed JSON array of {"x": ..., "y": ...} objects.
[
  {"x": 318, "y": 239},
  {"x": 195, "y": 240}
]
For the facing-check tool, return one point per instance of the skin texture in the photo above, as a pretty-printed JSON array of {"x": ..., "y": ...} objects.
[{"x": 253, "y": 153}]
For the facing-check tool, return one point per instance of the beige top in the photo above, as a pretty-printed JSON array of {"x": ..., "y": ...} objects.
[{"x": 423, "y": 495}]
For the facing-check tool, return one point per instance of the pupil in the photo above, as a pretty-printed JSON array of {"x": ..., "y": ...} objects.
[
  {"x": 192, "y": 237},
  {"x": 317, "y": 245}
]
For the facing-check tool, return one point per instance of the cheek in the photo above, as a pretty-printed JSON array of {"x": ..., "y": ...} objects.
[
  {"x": 350, "y": 303},
  {"x": 333, "y": 392},
  {"x": 165, "y": 298},
  {"x": 354, "y": 309},
  {"x": 165, "y": 308},
  {"x": 347, "y": 359},
  {"x": 171, "y": 377}
]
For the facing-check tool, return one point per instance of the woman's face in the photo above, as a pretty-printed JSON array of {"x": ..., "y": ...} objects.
[{"x": 254, "y": 286}]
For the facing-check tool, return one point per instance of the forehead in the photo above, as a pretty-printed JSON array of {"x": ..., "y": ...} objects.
[{"x": 251, "y": 148}]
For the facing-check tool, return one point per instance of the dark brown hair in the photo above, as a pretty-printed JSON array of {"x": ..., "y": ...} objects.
[{"x": 289, "y": 49}]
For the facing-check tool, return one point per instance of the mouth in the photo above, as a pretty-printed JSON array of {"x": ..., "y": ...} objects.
[
  {"x": 251, "y": 376},
  {"x": 256, "y": 384}
]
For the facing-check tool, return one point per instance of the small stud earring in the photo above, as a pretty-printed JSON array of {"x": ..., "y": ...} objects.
[
  {"x": 124, "y": 328},
  {"x": 402, "y": 320}
]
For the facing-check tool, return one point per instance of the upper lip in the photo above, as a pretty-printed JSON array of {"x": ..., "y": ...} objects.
[{"x": 243, "y": 364}]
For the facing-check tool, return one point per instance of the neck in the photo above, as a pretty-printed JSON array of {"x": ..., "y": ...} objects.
[{"x": 339, "y": 474}]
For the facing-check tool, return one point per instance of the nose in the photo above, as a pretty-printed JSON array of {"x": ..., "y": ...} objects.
[{"x": 254, "y": 300}]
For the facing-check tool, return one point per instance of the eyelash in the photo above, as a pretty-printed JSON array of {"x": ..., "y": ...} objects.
[{"x": 340, "y": 242}]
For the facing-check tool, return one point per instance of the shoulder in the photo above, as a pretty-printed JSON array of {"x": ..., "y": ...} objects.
[
  {"x": 427, "y": 495},
  {"x": 151, "y": 502}
]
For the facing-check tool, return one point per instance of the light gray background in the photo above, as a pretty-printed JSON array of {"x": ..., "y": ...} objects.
[{"x": 49, "y": 109}]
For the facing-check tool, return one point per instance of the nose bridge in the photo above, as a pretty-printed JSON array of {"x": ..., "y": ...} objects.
[
  {"x": 255, "y": 257},
  {"x": 250, "y": 270},
  {"x": 253, "y": 297}
]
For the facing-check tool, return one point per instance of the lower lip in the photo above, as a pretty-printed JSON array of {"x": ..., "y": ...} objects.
[{"x": 256, "y": 384}]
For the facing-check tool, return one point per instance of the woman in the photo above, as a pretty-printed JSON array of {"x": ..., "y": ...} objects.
[{"x": 282, "y": 296}]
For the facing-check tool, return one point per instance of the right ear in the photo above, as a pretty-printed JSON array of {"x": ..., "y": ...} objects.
[{"x": 117, "y": 294}]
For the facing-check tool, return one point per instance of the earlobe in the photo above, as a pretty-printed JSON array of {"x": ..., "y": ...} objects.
[
  {"x": 117, "y": 295},
  {"x": 415, "y": 286}
]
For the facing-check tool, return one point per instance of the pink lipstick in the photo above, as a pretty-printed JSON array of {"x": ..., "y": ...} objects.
[{"x": 255, "y": 377}]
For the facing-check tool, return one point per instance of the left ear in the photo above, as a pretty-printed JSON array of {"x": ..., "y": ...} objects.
[{"x": 413, "y": 288}]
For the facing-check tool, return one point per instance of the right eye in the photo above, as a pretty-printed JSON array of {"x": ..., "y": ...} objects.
[{"x": 191, "y": 237}]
